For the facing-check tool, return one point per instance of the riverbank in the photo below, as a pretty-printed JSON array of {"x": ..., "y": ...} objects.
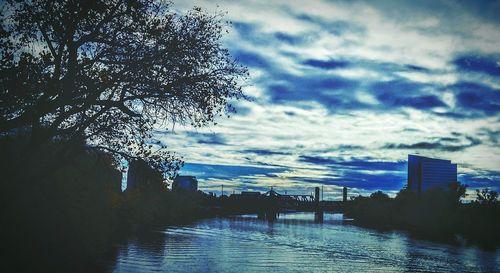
[
  {"x": 62, "y": 206},
  {"x": 436, "y": 215}
]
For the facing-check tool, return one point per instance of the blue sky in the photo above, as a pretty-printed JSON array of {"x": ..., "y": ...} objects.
[{"x": 342, "y": 91}]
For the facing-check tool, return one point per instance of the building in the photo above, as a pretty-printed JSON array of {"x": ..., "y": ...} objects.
[
  {"x": 344, "y": 194},
  {"x": 185, "y": 183},
  {"x": 140, "y": 175},
  {"x": 250, "y": 194},
  {"x": 425, "y": 173}
]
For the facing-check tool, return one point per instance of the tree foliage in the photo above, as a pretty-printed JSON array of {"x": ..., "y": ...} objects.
[
  {"x": 486, "y": 196},
  {"x": 437, "y": 213},
  {"x": 110, "y": 72}
]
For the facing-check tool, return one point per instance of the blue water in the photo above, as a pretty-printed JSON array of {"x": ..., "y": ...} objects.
[{"x": 293, "y": 243}]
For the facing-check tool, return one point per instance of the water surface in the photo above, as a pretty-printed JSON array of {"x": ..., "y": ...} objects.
[{"x": 293, "y": 243}]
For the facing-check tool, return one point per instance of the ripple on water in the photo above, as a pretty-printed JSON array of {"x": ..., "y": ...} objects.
[{"x": 293, "y": 243}]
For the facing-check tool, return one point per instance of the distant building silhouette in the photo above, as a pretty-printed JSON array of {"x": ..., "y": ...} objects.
[
  {"x": 141, "y": 175},
  {"x": 250, "y": 193},
  {"x": 425, "y": 173},
  {"x": 185, "y": 183}
]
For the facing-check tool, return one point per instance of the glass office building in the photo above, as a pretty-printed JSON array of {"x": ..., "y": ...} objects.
[{"x": 425, "y": 173}]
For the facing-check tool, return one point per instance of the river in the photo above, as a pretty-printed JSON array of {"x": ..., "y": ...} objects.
[{"x": 294, "y": 242}]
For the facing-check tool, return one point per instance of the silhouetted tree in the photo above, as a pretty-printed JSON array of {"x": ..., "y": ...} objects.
[
  {"x": 457, "y": 191},
  {"x": 379, "y": 196},
  {"x": 109, "y": 72},
  {"x": 486, "y": 196}
]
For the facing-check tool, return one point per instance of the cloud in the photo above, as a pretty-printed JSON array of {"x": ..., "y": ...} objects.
[
  {"x": 227, "y": 172},
  {"x": 479, "y": 63},
  {"x": 417, "y": 68},
  {"x": 263, "y": 152},
  {"x": 357, "y": 164},
  {"x": 478, "y": 97},
  {"x": 208, "y": 138},
  {"x": 481, "y": 180},
  {"x": 360, "y": 173},
  {"x": 330, "y": 64},
  {"x": 289, "y": 39},
  {"x": 492, "y": 135},
  {"x": 419, "y": 102},
  {"x": 343, "y": 90},
  {"x": 250, "y": 59},
  {"x": 453, "y": 143}
]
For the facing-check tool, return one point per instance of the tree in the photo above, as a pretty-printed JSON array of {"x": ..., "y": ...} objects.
[
  {"x": 486, "y": 196},
  {"x": 457, "y": 191},
  {"x": 379, "y": 196},
  {"x": 111, "y": 71}
]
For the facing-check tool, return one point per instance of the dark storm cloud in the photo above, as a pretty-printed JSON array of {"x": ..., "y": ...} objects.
[
  {"x": 418, "y": 102},
  {"x": 359, "y": 180},
  {"x": 390, "y": 69},
  {"x": 250, "y": 59},
  {"x": 227, "y": 172},
  {"x": 355, "y": 164},
  {"x": 208, "y": 138},
  {"x": 478, "y": 97},
  {"x": 289, "y": 39},
  {"x": 396, "y": 86},
  {"x": 479, "y": 63},
  {"x": 360, "y": 173},
  {"x": 349, "y": 147},
  {"x": 264, "y": 152},
  {"x": 416, "y": 68},
  {"x": 403, "y": 93},
  {"x": 483, "y": 179},
  {"x": 371, "y": 181},
  {"x": 330, "y": 64},
  {"x": 332, "y": 92},
  {"x": 442, "y": 144}
]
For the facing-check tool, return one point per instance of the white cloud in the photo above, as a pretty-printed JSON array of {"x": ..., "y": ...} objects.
[{"x": 420, "y": 39}]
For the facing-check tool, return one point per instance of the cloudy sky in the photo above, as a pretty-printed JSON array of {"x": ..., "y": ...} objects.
[{"x": 343, "y": 91}]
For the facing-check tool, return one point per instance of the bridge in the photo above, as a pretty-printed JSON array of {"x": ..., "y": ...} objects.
[{"x": 272, "y": 202}]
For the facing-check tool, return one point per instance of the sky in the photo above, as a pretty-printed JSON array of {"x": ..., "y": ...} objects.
[{"x": 342, "y": 91}]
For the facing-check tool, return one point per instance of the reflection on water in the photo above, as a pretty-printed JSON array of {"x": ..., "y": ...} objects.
[{"x": 295, "y": 242}]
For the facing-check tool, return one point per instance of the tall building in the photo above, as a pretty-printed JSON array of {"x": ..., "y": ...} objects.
[
  {"x": 185, "y": 183},
  {"x": 344, "y": 194},
  {"x": 425, "y": 173}
]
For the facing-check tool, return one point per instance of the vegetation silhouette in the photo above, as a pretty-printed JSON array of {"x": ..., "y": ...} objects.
[
  {"x": 110, "y": 72},
  {"x": 437, "y": 214},
  {"x": 67, "y": 219},
  {"x": 83, "y": 85}
]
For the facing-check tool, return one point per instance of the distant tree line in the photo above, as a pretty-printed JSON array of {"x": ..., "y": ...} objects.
[{"x": 437, "y": 213}]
